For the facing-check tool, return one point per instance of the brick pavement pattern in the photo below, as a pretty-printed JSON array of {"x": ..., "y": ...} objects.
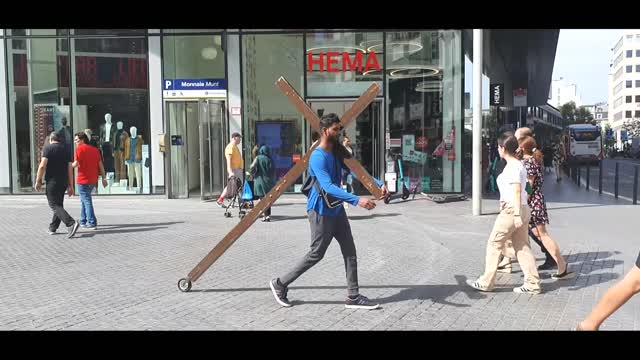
[{"x": 414, "y": 258}]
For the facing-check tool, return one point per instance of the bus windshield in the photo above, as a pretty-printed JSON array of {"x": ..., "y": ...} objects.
[{"x": 585, "y": 135}]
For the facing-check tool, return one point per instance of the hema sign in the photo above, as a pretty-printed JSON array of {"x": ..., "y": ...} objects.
[
  {"x": 496, "y": 94},
  {"x": 336, "y": 62}
]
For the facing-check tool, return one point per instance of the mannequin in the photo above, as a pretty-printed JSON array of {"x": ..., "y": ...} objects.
[
  {"x": 107, "y": 134},
  {"x": 133, "y": 156},
  {"x": 118, "y": 151},
  {"x": 65, "y": 132}
]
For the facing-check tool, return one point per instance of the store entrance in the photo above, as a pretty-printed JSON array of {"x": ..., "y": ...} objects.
[
  {"x": 196, "y": 139},
  {"x": 364, "y": 134}
]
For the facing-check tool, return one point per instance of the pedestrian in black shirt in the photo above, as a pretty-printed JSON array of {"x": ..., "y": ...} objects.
[{"x": 58, "y": 175}]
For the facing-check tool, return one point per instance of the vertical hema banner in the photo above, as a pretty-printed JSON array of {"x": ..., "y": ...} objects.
[{"x": 496, "y": 94}]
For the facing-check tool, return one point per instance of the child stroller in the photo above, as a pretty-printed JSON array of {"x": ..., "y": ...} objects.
[{"x": 235, "y": 193}]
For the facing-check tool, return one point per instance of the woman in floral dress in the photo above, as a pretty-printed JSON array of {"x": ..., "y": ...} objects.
[{"x": 532, "y": 161}]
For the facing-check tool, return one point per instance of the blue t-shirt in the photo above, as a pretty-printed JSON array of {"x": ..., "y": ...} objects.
[{"x": 328, "y": 172}]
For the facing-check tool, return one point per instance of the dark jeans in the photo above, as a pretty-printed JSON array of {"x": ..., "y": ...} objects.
[
  {"x": 323, "y": 230},
  {"x": 55, "y": 196}
]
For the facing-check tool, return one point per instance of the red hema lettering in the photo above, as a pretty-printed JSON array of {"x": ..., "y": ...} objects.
[{"x": 326, "y": 62}]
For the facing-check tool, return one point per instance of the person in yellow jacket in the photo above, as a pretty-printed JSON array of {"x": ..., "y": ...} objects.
[{"x": 235, "y": 164}]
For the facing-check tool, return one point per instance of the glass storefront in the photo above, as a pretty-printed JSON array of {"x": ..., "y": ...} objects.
[
  {"x": 70, "y": 84},
  {"x": 269, "y": 118},
  {"x": 418, "y": 120},
  {"x": 424, "y": 97},
  {"x": 98, "y": 81}
]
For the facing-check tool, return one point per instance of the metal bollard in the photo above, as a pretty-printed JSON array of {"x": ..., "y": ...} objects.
[
  {"x": 616, "y": 179},
  {"x": 600, "y": 179},
  {"x": 635, "y": 185},
  {"x": 588, "y": 176}
]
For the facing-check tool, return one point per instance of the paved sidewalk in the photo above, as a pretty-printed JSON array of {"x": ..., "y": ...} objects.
[{"x": 414, "y": 258}]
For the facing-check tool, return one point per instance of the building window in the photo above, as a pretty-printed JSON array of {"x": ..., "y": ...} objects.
[
  {"x": 627, "y": 114},
  {"x": 628, "y": 99},
  {"x": 629, "y": 84},
  {"x": 617, "y": 88},
  {"x": 111, "y": 82},
  {"x": 38, "y": 77},
  {"x": 637, "y": 114},
  {"x": 637, "y": 68},
  {"x": 598, "y": 116},
  {"x": 617, "y": 116},
  {"x": 193, "y": 57},
  {"x": 356, "y": 61},
  {"x": 269, "y": 118},
  {"x": 617, "y": 60},
  {"x": 617, "y": 102},
  {"x": 629, "y": 53},
  {"x": 423, "y": 112},
  {"x": 638, "y": 98},
  {"x": 637, "y": 53},
  {"x": 617, "y": 74},
  {"x": 638, "y": 83},
  {"x": 629, "y": 68}
]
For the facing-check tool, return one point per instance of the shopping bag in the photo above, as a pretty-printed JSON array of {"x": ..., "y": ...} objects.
[{"x": 247, "y": 194}]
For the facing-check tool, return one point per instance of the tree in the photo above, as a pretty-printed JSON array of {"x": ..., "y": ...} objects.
[
  {"x": 568, "y": 112},
  {"x": 583, "y": 116},
  {"x": 573, "y": 115},
  {"x": 632, "y": 127},
  {"x": 609, "y": 142}
]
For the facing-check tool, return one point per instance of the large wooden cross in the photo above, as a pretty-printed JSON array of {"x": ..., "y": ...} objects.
[{"x": 290, "y": 177}]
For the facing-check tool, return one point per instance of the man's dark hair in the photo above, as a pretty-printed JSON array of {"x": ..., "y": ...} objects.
[
  {"x": 83, "y": 137},
  {"x": 328, "y": 120},
  {"x": 54, "y": 136},
  {"x": 235, "y": 135}
]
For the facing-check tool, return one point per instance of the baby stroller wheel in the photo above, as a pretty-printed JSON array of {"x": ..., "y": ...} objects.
[{"x": 228, "y": 215}]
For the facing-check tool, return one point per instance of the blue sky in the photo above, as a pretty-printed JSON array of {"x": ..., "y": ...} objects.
[{"x": 583, "y": 57}]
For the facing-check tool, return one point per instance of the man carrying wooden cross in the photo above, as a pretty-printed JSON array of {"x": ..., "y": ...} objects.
[{"x": 327, "y": 218}]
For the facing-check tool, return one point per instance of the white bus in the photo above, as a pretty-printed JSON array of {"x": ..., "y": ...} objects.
[{"x": 583, "y": 144}]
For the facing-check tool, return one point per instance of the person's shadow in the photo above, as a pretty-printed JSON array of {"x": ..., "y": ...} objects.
[{"x": 436, "y": 293}]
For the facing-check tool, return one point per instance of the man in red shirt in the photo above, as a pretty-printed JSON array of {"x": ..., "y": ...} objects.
[{"x": 89, "y": 163}]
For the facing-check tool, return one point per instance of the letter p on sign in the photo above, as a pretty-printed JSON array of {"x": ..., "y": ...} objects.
[{"x": 167, "y": 84}]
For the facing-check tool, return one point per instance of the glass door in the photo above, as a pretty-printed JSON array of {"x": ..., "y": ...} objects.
[
  {"x": 212, "y": 141},
  {"x": 177, "y": 120}
]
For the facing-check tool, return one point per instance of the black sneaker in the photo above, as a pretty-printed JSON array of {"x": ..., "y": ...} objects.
[
  {"x": 73, "y": 229},
  {"x": 361, "y": 302},
  {"x": 565, "y": 275},
  {"x": 548, "y": 265},
  {"x": 279, "y": 292}
]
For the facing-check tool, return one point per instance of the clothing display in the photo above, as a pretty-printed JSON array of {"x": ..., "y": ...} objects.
[
  {"x": 107, "y": 157},
  {"x": 133, "y": 158},
  {"x": 118, "y": 154},
  {"x": 135, "y": 173}
]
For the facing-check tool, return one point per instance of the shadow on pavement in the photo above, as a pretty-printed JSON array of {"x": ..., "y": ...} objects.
[
  {"x": 362, "y": 217},
  {"x": 435, "y": 293}
]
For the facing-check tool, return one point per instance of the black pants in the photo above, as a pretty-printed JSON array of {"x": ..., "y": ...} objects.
[
  {"x": 55, "y": 196},
  {"x": 267, "y": 211},
  {"x": 323, "y": 230},
  {"x": 107, "y": 157},
  {"x": 547, "y": 256}
]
